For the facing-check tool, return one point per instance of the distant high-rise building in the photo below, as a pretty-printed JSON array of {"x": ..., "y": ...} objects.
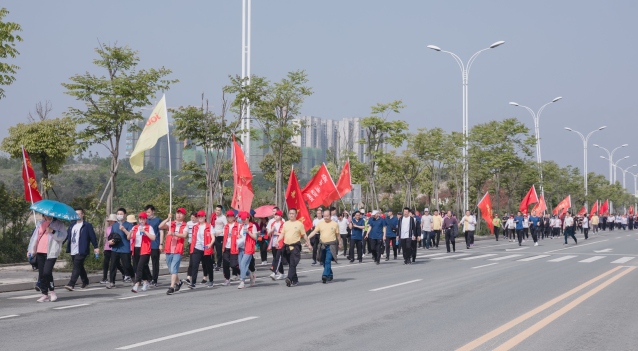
[{"x": 158, "y": 155}]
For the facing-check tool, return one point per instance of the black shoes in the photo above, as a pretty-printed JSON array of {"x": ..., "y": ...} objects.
[
  {"x": 85, "y": 285},
  {"x": 288, "y": 282},
  {"x": 324, "y": 279},
  {"x": 170, "y": 291},
  {"x": 178, "y": 286}
]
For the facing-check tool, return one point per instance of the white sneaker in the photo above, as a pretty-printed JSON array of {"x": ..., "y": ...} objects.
[
  {"x": 264, "y": 263},
  {"x": 234, "y": 278},
  {"x": 226, "y": 282},
  {"x": 52, "y": 296},
  {"x": 279, "y": 277},
  {"x": 43, "y": 298},
  {"x": 144, "y": 286},
  {"x": 535, "y": 244},
  {"x": 241, "y": 285},
  {"x": 273, "y": 276},
  {"x": 284, "y": 276}
]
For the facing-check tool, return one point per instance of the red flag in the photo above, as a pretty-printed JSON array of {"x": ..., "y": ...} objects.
[
  {"x": 604, "y": 208},
  {"x": 321, "y": 190},
  {"x": 631, "y": 210},
  {"x": 594, "y": 209},
  {"x": 529, "y": 199},
  {"x": 294, "y": 199},
  {"x": 344, "y": 185},
  {"x": 540, "y": 206},
  {"x": 243, "y": 193},
  {"x": 31, "y": 192},
  {"x": 485, "y": 205},
  {"x": 582, "y": 211},
  {"x": 563, "y": 206}
]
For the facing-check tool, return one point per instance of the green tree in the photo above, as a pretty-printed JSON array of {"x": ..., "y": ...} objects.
[
  {"x": 430, "y": 146},
  {"x": 291, "y": 156},
  {"x": 15, "y": 232},
  {"x": 112, "y": 101},
  {"x": 8, "y": 40},
  {"x": 49, "y": 143}
]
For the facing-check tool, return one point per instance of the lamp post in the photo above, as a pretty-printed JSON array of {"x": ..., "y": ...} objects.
[
  {"x": 536, "y": 116},
  {"x": 610, "y": 156},
  {"x": 245, "y": 71},
  {"x": 465, "y": 71},
  {"x": 635, "y": 189},
  {"x": 585, "y": 141},
  {"x": 615, "y": 165}
]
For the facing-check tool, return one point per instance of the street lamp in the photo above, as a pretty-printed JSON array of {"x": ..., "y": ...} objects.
[
  {"x": 610, "y": 156},
  {"x": 465, "y": 71},
  {"x": 635, "y": 188},
  {"x": 624, "y": 172},
  {"x": 585, "y": 141},
  {"x": 536, "y": 117}
]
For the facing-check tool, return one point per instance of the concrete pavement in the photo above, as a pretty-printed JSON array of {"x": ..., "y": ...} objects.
[{"x": 497, "y": 294}]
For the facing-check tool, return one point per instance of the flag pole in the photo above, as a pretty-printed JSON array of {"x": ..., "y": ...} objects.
[
  {"x": 26, "y": 170},
  {"x": 170, "y": 167}
]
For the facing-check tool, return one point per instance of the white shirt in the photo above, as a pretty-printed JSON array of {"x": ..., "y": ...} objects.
[
  {"x": 220, "y": 222},
  {"x": 525, "y": 222},
  {"x": 343, "y": 226},
  {"x": 405, "y": 228},
  {"x": 75, "y": 233},
  {"x": 189, "y": 228},
  {"x": 469, "y": 223},
  {"x": 585, "y": 222},
  {"x": 273, "y": 228},
  {"x": 557, "y": 222},
  {"x": 230, "y": 233},
  {"x": 314, "y": 221},
  {"x": 426, "y": 223},
  {"x": 510, "y": 223},
  {"x": 138, "y": 237},
  {"x": 199, "y": 240},
  {"x": 569, "y": 221}
]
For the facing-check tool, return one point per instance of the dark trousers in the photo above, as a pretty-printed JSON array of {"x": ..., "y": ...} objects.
[
  {"x": 263, "y": 250},
  {"x": 520, "y": 233},
  {"x": 315, "y": 247},
  {"x": 45, "y": 273},
  {"x": 586, "y": 233},
  {"x": 226, "y": 264},
  {"x": 207, "y": 261},
  {"x": 535, "y": 232},
  {"x": 140, "y": 265},
  {"x": 155, "y": 256},
  {"x": 437, "y": 233},
  {"x": 496, "y": 232},
  {"x": 570, "y": 232},
  {"x": 292, "y": 253},
  {"x": 390, "y": 242},
  {"x": 413, "y": 249},
  {"x": 449, "y": 238},
  {"x": 375, "y": 249},
  {"x": 469, "y": 238},
  {"x": 218, "y": 250},
  {"x": 406, "y": 246},
  {"x": 277, "y": 261},
  {"x": 107, "y": 263},
  {"x": 78, "y": 270},
  {"x": 356, "y": 243},
  {"x": 205, "y": 268},
  {"x": 117, "y": 259},
  {"x": 344, "y": 240}
]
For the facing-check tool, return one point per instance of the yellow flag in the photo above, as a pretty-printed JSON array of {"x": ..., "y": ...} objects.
[{"x": 155, "y": 128}]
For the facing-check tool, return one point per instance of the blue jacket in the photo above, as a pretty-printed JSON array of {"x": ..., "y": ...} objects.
[
  {"x": 155, "y": 222},
  {"x": 376, "y": 228},
  {"x": 391, "y": 230},
  {"x": 87, "y": 234},
  {"x": 357, "y": 233},
  {"x": 125, "y": 244},
  {"x": 519, "y": 224}
]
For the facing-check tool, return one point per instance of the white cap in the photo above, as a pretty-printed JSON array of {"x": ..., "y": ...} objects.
[
  {"x": 426, "y": 210},
  {"x": 375, "y": 212}
]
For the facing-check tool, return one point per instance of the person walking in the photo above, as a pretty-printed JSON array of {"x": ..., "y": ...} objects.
[
  {"x": 79, "y": 235},
  {"x": 437, "y": 222},
  {"x": 356, "y": 237},
  {"x": 450, "y": 228},
  {"x": 107, "y": 252},
  {"x": 568, "y": 228},
  {"x": 293, "y": 231},
  {"x": 376, "y": 235},
  {"x": 426, "y": 229},
  {"x": 586, "y": 226},
  {"x": 595, "y": 220},
  {"x": 229, "y": 262},
  {"x": 276, "y": 245},
  {"x": 328, "y": 244},
  {"x": 141, "y": 237},
  {"x": 45, "y": 244},
  {"x": 469, "y": 225},
  {"x": 263, "y": 240},
  {"x": 157, "y": 245},
  {"x": 518, "y": 222},
  {"x": 177, "y": 231},
  {"x": 219, "y": 223},
  {"x": 496, "y": 222},
  {"x": 120, "y": 248},
  {"x": 534, "y": 226},
  {"x": 391, "y": 235},
  {"x": 342, "y": 221},
  {"x": 243, "y": 245},
  {"x": 201, "y": 250},
  {"x": 407, "y": 233}
]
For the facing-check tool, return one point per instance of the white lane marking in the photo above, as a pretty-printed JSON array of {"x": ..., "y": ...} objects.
[
  {"x": 72, "y": 306},
  {"x": 450, "y": 256},
  {"x": 601, "y": 251},
  {"x": 485, "y": 265},
  {"x": 431, "y": 255},
  {"x": 185, "y": 333},
  {"x": 476, "y": 257},
  {"x": 395, "y": 285},
  {"x": 623, "y": 260},
  {"x": 9, "y": 316},
  {"x": 503, "y": 258},
  {"x": 520, "y": 248},
  {"x": 592, "y": 259},
  {"x": 130, "y": 297},
  {"x": 581, "y": 245},
  {"x": 532, "y": 258},
  {"x": 562, "y": 258},
  {"x": 24, "y": 297},
  {"x": 90, "y": 289}
]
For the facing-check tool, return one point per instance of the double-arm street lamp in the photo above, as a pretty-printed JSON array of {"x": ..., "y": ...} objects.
[
  {"x": 610, "y": 157},
  {"x": 585, "y": 141}
]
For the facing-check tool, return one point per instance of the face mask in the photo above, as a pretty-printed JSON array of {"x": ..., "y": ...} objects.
[
  {"x": 239, "y": 220},
  {"x": 151, "y": 216},
  {"x": 120, "y": 218}
]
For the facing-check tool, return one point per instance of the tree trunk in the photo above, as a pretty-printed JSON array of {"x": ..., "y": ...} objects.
[
  {"x": 109, "y": 199},
  {"x": 45, "y": 178}
]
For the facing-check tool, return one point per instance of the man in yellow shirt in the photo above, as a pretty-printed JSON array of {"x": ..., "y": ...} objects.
[
  {"x": 293, "y": 231},
  {"x": 328, "y": 243},
  {"x": 594, "y": 222},
  {"x": 437, "y": 220}
]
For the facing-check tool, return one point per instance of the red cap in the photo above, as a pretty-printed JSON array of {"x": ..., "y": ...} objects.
[
  {"x": 382, "y": 216},
  {"x": 143, "y": 215},
  {"x": 230, "y": 214},
  {"x": 279, "y": 213},
  {"x": 368, "y": 214},
  {"x": 243, "y": 215},
  {"x": 201, "y": 214},
  {"x": 183, "y": 211}
]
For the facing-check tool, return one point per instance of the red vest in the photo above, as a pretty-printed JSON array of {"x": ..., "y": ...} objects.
[
  {"x": 208, "y": 238},
  {"x": 233, "y": 234},
  {"x": 145, "y": 248},
  {"x": 249, "y": 244},
  {"x": 280, "y": 238},
  {"x": 170, "y": 239}
]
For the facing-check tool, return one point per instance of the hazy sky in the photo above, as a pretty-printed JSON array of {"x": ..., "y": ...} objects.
[{"x": 358, "y": 53}]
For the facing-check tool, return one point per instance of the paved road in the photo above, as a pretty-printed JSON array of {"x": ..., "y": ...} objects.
[{"x": 495, "y": 296}]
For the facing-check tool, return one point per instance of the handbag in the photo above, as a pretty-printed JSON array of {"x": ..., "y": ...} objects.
[{"x": 117, "y": 240}]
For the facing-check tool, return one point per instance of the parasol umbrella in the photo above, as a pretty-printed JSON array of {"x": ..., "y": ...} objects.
[
  {"x": 56, "y": 210},
  {"x": 264, "y": 211}
]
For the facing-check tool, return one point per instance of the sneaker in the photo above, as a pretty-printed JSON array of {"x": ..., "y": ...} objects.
[
  {"x": 294, "y": 284},
  {"x": 153, "y": 283},
  {"x": 204, "y": 281},
  {"x": 209, "y": 284},
  {"x": 288, "y": 282},
  {"x": 535, "y": 244},
  {"x": 187, "y": 281},
  {"x": 241, "y": 285},
  {"x": 253, "y": 278},
  {"x": 217, "y": 269},
  {"x": 192, "y": 286},
  {"x": 110, "y": 285},
  {"x": 144, "y": 286},
  {"x": 170, "y": 291},
  {"x": 279, "y": 277},
  {"x": 264, "y": 263},
  {"x": 37, "y": 288},
  {"x": 84, "y": 285},
  {"x": 134, "y": 289},
  {"x": 351, "y": 261},
  {"x": 234, "y": 278},
  {"x": 52, "y": 296},
  {"x": 69, "y": 287},
  {"x": 226, "y": 282},
  {"x": 43, "y": 298},
  {"x": 128, "y": 279},
  {"x": 330, "y": 278},
  {"x": 324, "y": 279},
  {"x": 314, "y": 263},
  {"x": 364, "y": 255},
  {"x": 178, "y": 286},
  {"x": 103, "y": 281},
  {"x": 387, "y": 259},
  {"x": 273, "y": 276}
]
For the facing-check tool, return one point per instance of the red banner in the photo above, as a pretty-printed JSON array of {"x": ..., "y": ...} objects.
[
  {"x": 321, "y": 190},
  {"x": 540, "y": 206},
  {"x": 604, "y": 208},
  {"x": 631, "y": 210},
  {"x": 582, "y": 211},
  {"x": 243, "y": 193},
  {"x": 31, "y": 192},
  {"x": 530, "y": 198},
  {"x": 344, "y": 185},
  {"x": 594, "y": 209},
  {"x": 294, "y": 199},
  {"x": 563, "y": 206},
  {"x": 485, "y": 205}
]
